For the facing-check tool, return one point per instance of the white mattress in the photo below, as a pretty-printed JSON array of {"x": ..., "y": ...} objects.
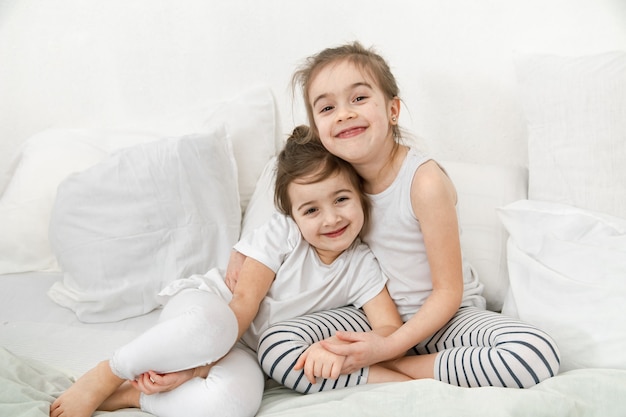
[
  {"x": 50, "y": 347},
  {"x": 33, "y": 326}
]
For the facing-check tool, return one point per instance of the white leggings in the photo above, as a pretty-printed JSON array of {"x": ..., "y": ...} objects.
[
  {"x": 195, "y": 328},
  {"x": 475, "y": 348}
]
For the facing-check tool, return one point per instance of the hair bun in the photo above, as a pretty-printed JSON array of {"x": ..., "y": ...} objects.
[{"x": 300, "y": 133}]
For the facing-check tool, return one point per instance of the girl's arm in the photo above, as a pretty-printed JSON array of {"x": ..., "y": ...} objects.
[
  {"x": 235, "y": 262},
  {"x": 434, "y": 202},
  {"x": 382, "y": 314},
  {"x": 253, "y": 284},
  {"x": 433, "y": 198}
]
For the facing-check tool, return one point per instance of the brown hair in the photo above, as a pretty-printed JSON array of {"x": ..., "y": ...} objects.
[
  {"x": 304, "y": 156},
  {"x": 366, "y": 60}
]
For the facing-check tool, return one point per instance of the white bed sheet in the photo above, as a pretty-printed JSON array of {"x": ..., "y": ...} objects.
[
  {"x": 33, "y": 326},
  {"x": 48, "y": 347}
]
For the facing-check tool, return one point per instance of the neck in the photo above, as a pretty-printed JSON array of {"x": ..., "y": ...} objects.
[{"x": 379, "y": 173}]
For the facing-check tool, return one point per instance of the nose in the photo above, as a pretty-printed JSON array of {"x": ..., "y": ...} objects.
[
  {"x": 345, "y": 113},
  {"x": 331, "y": 217}
]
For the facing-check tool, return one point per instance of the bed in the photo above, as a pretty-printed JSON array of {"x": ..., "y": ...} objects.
[{"x": 136, "y": 159}]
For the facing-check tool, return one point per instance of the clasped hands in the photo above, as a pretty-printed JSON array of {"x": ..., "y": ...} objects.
[{"x": 342, "y": 354}]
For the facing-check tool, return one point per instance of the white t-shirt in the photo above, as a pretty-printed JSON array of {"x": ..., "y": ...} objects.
[
  {"x": 396, "y": 238},
  {"x": 304, "y": 284}
]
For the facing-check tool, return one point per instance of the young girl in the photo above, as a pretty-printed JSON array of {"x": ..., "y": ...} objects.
[
  {"x": 306, "y": 259},
  {"x": 353, "y": 106}
]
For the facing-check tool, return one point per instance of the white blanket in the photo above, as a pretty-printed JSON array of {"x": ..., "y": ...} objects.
[{"x": 28, "y": 387}]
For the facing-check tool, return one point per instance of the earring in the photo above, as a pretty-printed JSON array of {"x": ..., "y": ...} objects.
[{"x": 394, "y": 119}]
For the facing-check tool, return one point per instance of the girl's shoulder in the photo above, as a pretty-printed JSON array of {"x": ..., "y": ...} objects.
[{"x": 431, "y": 184}]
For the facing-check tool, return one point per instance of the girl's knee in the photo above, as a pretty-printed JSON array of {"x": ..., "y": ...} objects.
[
  {"x": 280, "y": 346},
  {"x": 211, "y": 330},
  {"x": 233, "y": 388}
]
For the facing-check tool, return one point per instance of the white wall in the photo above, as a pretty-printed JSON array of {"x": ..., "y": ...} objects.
[{"x": 77, "y": 63}]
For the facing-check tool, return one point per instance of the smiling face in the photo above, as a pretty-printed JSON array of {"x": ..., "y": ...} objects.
[
  {"x": 353, "y": 117},
  {"x": 328, "y": 212}
]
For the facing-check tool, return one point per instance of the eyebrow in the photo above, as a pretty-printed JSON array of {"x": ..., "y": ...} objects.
[
  {"x": 341, "y": 191},
  {"x": 351, "y": 87}
]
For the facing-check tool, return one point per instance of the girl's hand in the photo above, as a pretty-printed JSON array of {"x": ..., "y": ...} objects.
[
  {"x": 151, "y": 383},
  {"x": 360, "y": 349},
  {"x": 318, "y": 362},
  {"x": 235, "y": 262}
]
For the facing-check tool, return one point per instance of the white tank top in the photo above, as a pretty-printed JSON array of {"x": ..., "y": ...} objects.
[{"x": 396, "y": 239}]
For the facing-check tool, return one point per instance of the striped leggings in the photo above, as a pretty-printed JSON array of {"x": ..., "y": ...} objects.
[{"x": 475, "y": 348}]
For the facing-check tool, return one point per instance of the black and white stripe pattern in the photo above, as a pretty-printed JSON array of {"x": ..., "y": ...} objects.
[
  {"x": 482, "y": 348},
  {"x": 476, "y": 348},
  {"x": 282, "y": 344}
]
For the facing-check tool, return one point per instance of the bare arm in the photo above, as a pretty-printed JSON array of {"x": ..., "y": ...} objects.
[
  {"x": 254, "y": 282},
  {"x": 382, "y": 314}
]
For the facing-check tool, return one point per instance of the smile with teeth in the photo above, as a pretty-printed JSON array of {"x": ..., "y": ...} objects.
[{"x": 336, "y": 233}]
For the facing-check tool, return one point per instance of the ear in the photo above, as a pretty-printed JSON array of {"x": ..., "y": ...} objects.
[{"x": 394, "y": 110}]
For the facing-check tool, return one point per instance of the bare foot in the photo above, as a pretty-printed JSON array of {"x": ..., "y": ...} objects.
[
  {"x": 126, "y": 396},
  {"x": 86, "y": 395}
]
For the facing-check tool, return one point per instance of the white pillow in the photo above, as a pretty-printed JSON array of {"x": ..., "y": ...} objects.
[
  {"x": 250, "y": 120},
  {"x": 480, "y": 189},
  {"x": 126, "y": 227},
  {"x": 261, "y": 206},
  {"x": 48, "y": 157},
  {"x": 576, "y": 113},
  {"x": 567, "y": 268},
  {"x": 41, "y": 163}
]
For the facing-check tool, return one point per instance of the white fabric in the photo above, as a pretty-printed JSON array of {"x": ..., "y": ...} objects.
[
  {"x": 50, "y": 156},
  {"x": 576, "y": 113},
  {"x": 196, "y": 328},
  {"x": 38, "y": 168},
  {"x": 261, "y": 206},
  {"x": 36, "y": 327},
  {"x": 567, "y": 267},
  {"x": 250, "y": 120},
  {"x": 234, "y": 388},
  {"x": 480, "y": 189},
  {"x": 149, "y": 214},
  {"x": 396, "y": 239},
  {"x": 303, "y": 284}
]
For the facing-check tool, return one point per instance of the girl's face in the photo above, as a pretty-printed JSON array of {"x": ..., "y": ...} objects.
[
  {"x": 329, "y": 214},
  {"x": 351, "y": 113}
]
